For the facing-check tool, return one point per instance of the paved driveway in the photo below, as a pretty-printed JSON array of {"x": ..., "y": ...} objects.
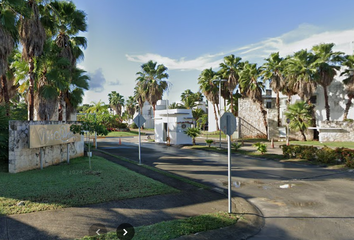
[{"x": 298, "y": 202}]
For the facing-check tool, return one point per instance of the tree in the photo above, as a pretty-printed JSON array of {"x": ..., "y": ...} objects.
[
  {"x": 300, "y": 117},
  {"x": 116, "y": 101},
  {"x": 130, "y": 107},
  {"x": 252, "y": 88},
  {"x": 193, "y": 133},
  {"x": 152, "y": 81},
  {"x": 326, "y": 64},
  {"x": 197, "y": 113},
  {"x": 175, "y": 105},
  {"x": 98, "y": 108},
  {"x": 272, "y": 71},
  {"x": 349, "y": 83},
  {"x": 32, "y": 37},
  {"x": 230, "y": 69},
  {"x": 210, "y": 89},
  {"x": 9, "y": 37},
  {"x": 139, "y": 96}
]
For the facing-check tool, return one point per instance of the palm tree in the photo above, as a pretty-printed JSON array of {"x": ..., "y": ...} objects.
[
  {"x": 197, "y": 113},
  {"x": 32, "y": 37},
  {"x": 230, "y": 69},
  {"x": 151, "y": 80},
  {"x": 349, "y": 83},
  {"x": 116, "y": 101},
  {"x": 325, "y": 63},
  {"x": 98, "y": 107},
  {"x": 175, "y": 105},
  {"x": 300, "y": 117},
  {"x": 139, "y": 96},
  {"x": 193, "y": 133},
  {"x": 272, "y": 71},
  {"x": 130, "y": 107},
  {"x": 210, "y": 90},
  {"x": 252, "y": 88},
  {"x": 9, "y": 37}
]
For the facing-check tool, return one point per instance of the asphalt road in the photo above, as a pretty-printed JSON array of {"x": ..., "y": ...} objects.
[{"x": 297, "y": 202}]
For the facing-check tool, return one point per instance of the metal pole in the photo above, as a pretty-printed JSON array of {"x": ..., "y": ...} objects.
[
  {"x": 219, "y": 111},
  {"x": 139, "y": 143},
  {"x": 229, "y": 171},
  {"x": 41, "y": 157}
]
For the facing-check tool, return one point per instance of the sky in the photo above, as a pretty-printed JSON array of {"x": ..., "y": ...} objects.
[{"x": 188, "y": 36}]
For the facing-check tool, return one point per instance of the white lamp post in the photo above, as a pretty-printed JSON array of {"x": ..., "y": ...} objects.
[{"x": 219, "y": 80}]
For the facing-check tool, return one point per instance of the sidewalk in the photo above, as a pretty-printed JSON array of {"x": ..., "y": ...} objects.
[{"x": 75, "y": 222}]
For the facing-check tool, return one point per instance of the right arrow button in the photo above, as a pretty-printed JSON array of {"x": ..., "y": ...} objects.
[{"x": 125, "y": 231}]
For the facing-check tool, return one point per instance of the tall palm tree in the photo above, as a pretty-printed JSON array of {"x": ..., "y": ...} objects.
[
  {"x": 116, "y": 101},
  {"x": 210, "y": 90},
  {"x": 326, "y": 63},
  {"x": 302, "y": 74},
  {"x": 300, "y": 117},
  {"x": 197, "y": 114},
  {"x": 230, "y": 69},
  {"x": 152, "y": 80},
  {"x": 252, "y": 88},
  {"x": 272, "y": 71},
  {"x": 130, "y": 106},
  {"x": 349, "y": 83},
  {"x": 32, "y": 37},
  {"x": 8, "y": 37},
  {"x": 139, "y": 96}
]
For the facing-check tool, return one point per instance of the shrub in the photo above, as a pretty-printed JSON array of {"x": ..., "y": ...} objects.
[
  {"x": 236, "y": 146},
  {"x": 193, "y": 133},
  {"x": 122, "y": 125},
  {"x": 4, "y": 134},
  {"x": 326, "y": 155},
  {"x": 261, "y": 147},
  {"x": 209, "y": 142},
  {"x": 134, "y": 126}
]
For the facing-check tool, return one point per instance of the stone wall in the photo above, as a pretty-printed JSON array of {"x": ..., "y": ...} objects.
[
  {"x": 336, "y": 131},
  {"x": 23, "y": 158},
  {"x": 251, "y": 119}
]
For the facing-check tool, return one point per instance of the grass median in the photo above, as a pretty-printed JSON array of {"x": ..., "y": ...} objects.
[
  {"x": 74, "y": 184},
  {"x": 172, "y": 229}
]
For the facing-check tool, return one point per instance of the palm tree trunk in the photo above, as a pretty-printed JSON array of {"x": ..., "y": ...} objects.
[
  {"x": 232, "y": 104},
  {"x": 277, "y": 103},
  {"x": 326, "y": 102},
  {"x": 5, "y": 94},
  {"x": 31, "y": 88},
  {"x": 60, "y": 110},
  {"x": 216, "y": 118},
  {"x": 303, "y": 135},
  {"x": 347, "y": 107}
]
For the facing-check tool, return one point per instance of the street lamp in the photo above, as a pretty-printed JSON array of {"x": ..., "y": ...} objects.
[{"x": 219, "y": 80}]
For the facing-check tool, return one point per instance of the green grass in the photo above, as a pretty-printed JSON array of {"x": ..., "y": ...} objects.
[
  {"x": 328, "y": 144},
  {"x": 168, "y": 174},
  {"x": 176, "y": 228},
  {"x": 215, "y": 134},
  {"x": 68, "y": 185},
  {"x": 124, "y": 134}
]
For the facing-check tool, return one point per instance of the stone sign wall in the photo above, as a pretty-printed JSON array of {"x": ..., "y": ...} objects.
[
  {"x": 23, "y": 158},
  {"x": 336, "y": 131}
]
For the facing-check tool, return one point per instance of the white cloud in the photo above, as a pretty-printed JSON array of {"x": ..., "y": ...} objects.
[{"x": 304, "y": 37}]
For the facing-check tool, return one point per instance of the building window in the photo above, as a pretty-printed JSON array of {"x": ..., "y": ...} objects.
[
  {"x": 269, "y": 92},
  {"x": 313, "y": 99},
  {"x": 268, "y": 104}
]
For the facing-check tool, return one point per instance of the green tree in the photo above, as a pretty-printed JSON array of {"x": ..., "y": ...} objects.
[
  {"x": 130, "y": 107},
  {"x": 152, "y": 81},
  {"x": 348, "y": 73},
  {"x": 300, "y": 117},
  {"x": 32, "y": 37},
  {"x": 197, "y": 114},
  {"x": 210, "y": 90},
  {"x": 193, "y": 133},
  {"x": 252, "y": 88},
  {"x": 230, "y": 69},
  {"x": 175, "y": 105},
  {"x": 272, "y": 71},
  {"x": 327, "y": 62},
  {"x": 98, "y": 108},
  {"x": 116, "y": 101}
]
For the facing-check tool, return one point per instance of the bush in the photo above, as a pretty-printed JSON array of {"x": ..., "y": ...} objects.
[
  {"x": 326, "y": 155},
  {"x": 134, "y": 126},
  {"x": 299, "y": 151},
  {"x": 236, "y": 146},
  {"x": 209, "y": 142},
  {"x": 122, "y": 125},
  {"x": 261, "y": 147},
  {"x": 4, "y": 135},
  {"x": 193, "y": 133}
]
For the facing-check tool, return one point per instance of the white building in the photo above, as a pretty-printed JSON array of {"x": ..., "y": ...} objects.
[{"x": 171, "y": 124}]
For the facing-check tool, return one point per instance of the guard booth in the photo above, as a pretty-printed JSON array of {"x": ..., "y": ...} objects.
[{"x": 170, "y": 125}]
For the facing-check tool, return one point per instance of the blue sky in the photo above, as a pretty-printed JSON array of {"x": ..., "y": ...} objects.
[{"x": 188, "y": 36}]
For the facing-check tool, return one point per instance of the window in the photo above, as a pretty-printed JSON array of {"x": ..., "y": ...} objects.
[
  {"x": 268, "y": 104},
  {"x": 313, "y": 99}
]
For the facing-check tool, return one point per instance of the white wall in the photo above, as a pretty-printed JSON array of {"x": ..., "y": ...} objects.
[{"x": 211, "y": 116}]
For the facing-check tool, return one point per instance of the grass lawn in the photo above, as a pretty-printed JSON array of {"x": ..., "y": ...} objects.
[
  {"x": 73, "y": 184},
  {"x": 124, "y": 134},
  {"x": 176, "y": 228},
  {"x": 328, "y": 144},
  {"x": 215, "y": 134}
]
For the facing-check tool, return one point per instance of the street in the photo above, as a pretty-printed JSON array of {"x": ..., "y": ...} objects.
[{"x": 297, "y": 201}]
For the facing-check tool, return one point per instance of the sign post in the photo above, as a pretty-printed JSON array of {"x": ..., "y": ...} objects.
[
  {"x": 228, "y": 126},
  {"x": 139, "y": 121}
]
